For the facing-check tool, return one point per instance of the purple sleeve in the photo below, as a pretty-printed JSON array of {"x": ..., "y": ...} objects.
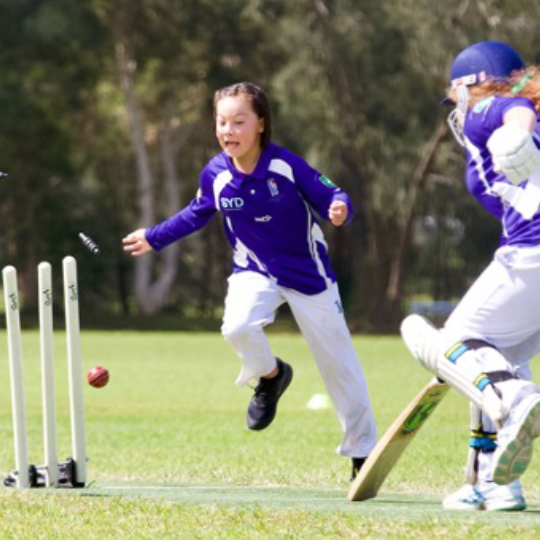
[
  {"x": 192, "y": 218},
  {"x": 489, "y": 200},
  {"x": 319, "y": 191},
  {"x": 517, "y": 101},
  {"x": 488, "y": 115}
]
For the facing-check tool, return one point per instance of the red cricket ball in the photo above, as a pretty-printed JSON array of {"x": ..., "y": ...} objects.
[{"x": 98, "y": 376}]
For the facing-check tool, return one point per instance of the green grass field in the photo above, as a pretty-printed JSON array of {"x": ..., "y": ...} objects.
[{"x": 170, "y": 456}]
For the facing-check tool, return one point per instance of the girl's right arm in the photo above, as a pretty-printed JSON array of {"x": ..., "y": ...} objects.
[
  {"x": 136, "y": 243},
  {"x": 190, "y": 219}
]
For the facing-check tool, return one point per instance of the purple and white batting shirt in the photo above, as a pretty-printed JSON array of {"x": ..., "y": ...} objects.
[
  {"x": 518, "y": 207},
  {"x": 268, "y": 217}
]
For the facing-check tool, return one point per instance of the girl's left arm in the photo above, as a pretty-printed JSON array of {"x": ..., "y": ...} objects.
[{"x": 330, "y": 202}]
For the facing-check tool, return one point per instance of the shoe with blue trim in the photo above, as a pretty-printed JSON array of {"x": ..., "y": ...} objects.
[
  {"x": 502, "y": 498},
  {"x": 487, "y": 496},
  {"x": 466, "y": 498}
]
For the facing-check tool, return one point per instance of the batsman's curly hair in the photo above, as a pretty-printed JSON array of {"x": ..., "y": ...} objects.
[{"x": 524, "y": 83}]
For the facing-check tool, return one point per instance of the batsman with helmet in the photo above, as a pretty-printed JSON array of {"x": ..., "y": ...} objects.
[{"x": 485, "y": 346}]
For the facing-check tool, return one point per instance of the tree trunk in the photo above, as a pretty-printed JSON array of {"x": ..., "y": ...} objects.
[
  {"x": 150, "y": 295},
  {"x": 395, "y": 280}
]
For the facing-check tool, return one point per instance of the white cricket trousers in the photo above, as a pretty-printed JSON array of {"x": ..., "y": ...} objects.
[
  {"x": 502, "y": 307},
  {"x": 251, "y": 303}
]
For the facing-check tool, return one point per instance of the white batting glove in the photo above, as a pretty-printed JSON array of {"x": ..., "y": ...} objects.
[{"x": 513, "y": 152}]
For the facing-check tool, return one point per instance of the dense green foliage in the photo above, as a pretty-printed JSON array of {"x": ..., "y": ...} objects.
[{"x": 99, "y": 97}]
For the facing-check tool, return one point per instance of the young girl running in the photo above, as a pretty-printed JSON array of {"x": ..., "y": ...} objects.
[{"x": 269, "y": 198}]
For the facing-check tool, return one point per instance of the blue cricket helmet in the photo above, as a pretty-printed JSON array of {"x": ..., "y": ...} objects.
[{"x": 484, "y": 60}]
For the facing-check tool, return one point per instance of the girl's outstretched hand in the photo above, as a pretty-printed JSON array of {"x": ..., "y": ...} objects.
[{"x": 136, "y": 243}]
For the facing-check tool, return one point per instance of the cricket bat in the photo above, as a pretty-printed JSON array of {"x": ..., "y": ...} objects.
[{"x": 397, "y": 437}]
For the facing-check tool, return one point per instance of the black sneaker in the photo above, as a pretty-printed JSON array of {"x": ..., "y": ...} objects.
[
  {"x": 263, "y": 405},
  {"x": 357, "y": 463}
]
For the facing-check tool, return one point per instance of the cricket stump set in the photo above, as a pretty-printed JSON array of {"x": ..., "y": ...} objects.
[{"x": 71, "y": 473}]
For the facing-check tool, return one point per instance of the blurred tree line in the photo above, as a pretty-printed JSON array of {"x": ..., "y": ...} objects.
[{"x": 106, "y": 121}]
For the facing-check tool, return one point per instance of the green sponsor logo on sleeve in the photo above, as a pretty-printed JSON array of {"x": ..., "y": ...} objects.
[{"x": 326, "y": 181}]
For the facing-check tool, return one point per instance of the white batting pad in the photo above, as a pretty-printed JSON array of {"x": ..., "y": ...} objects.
[
  {"x": 428, "y": 346},
  {"x": 513, "y": 152}
]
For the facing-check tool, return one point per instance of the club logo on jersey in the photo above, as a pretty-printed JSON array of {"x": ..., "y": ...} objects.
[
  {"x": 232, "y": 203},
  {"x": 263, "y": 219},
  {"x": 326, "y": 181},
  {"x": 481, "y": 105},
  {"x": 272, "y": 186}
]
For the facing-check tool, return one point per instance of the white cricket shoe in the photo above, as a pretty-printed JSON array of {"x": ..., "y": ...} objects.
[
  {"x": 499, "y": 498},
  {"x": 487, "y": 496},
  {"x": 465, "y": 498},
  {"x": 515, "y": 440}
]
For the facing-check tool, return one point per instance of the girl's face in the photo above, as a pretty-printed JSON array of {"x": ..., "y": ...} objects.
[{"x": 238, "y": 129}]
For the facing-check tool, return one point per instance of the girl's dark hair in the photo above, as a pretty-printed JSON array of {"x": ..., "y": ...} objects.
[{"x": 259, "y": 101}]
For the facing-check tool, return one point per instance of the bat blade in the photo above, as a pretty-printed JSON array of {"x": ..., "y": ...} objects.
[{"x": 397, "y": 437}]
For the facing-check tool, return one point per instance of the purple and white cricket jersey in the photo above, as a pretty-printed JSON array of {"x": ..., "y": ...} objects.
[
  {"x": 518, "y": 207},
  {"x": 268, "y": 216}
]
